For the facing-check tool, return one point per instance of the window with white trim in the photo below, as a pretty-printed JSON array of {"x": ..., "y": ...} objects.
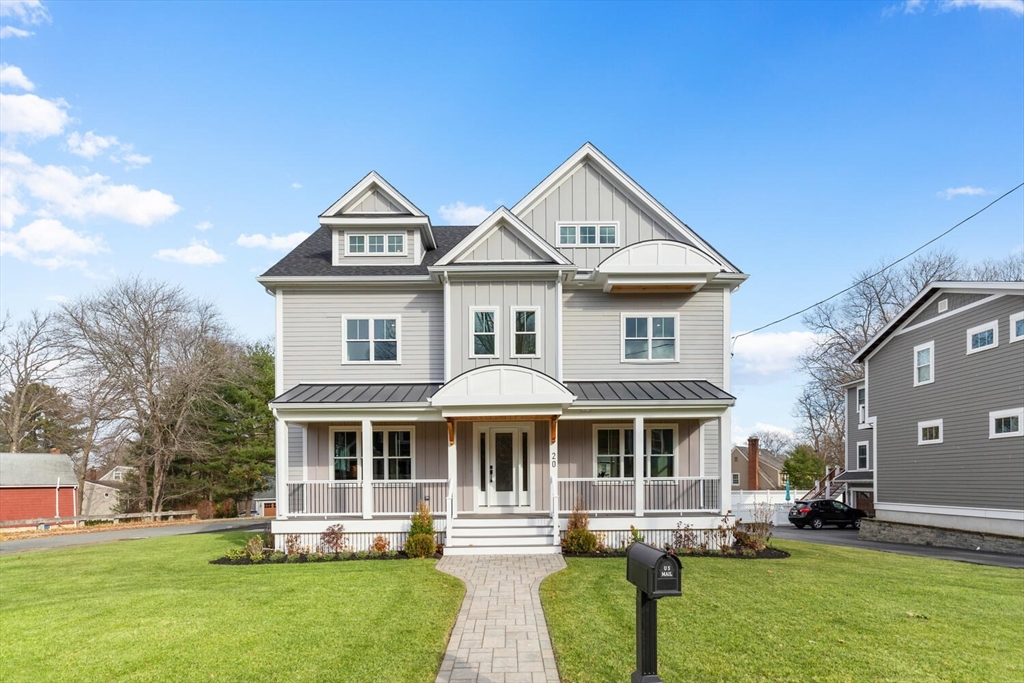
[
  {"x": 483, "y": 325},
  {"x": 345, "y": 457},
  {"x": 614, "y": 452},
  {"x": 649, "y": 338},
  {"x": 1004, "y": 423},
  {"x": 525, "y": 332},
  {"x": 392, "y": 454},
  {"x": 117, "y": 475},
  {"x": 983, "y": 337},
  {"x": 600, "y": 234},
  {"x": 357, "y": 244},
  {"x": 371, "y": 340},
  {"x": 924, "y": 364},
  {"x": 862, "y": 455},
  {"x": 735, "y": 478},
  {"x": 929, "y": 432},
  {"x": 1017, "y": 327}
]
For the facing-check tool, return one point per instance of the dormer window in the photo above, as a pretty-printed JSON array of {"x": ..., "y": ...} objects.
[
  {"x": 588, "y": 234},
  {"x": 360, "y": 244}
]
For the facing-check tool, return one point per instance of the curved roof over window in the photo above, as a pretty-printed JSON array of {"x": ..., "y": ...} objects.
[
  {"x": 658, "y": 265},
  {"x": 502, "y": 390}
]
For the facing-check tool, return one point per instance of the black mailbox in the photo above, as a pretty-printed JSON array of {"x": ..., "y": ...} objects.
[
  {"x": 656, "y": 574},
  {"x": 653, "y": 571}
]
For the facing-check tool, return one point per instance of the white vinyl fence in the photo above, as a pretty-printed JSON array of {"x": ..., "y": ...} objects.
[{"x": 743, "y": 503}]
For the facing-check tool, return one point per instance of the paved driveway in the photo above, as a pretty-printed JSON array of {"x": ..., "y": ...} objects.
[
  {"x": 848, "y": 537},
  {"x": 126, "y": 534}
]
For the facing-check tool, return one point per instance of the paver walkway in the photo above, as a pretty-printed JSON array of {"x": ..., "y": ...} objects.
[{"x": 501, "y": 635}]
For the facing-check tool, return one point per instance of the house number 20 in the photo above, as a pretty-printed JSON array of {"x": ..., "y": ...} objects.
[{"x": 554, "y": 458}]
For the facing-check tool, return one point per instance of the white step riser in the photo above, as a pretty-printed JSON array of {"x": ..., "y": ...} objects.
[
  {"x": 494, "y": 531},
  {"x": 483, "y": 541},
  {"x": 524, "y": 550},
  {"x": 509, "y": 523}
]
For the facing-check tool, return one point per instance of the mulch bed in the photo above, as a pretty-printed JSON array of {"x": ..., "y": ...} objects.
[
  {"x": 766, "y": 554},
  {"x": 304, "y": 558}
]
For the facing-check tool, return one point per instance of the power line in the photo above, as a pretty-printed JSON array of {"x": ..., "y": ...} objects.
[{"x": 859, "y": 282}]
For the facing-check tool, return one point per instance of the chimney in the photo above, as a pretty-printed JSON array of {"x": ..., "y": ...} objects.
[
  {"x": 55, "y": 451},
  {"x": 752, "y": 465}
]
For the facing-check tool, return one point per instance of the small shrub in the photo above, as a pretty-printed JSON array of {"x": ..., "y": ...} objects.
[
  {"x": 580, "y": 541},
  {"x": 315, "y": 557},
  {"x": 205, "y": 509},
  {"x": 254, "y": 548},
  {"x": 578, "y": 518},
  {"x": 293, "y": 558},
  {"x": 420, "y": 545},
  {"x": 601, "y": 544},
  {"x": 422, "y": 521},
  {"x": 361, "y": 554},
  {"x": 380, "y": 545},
  {"x": 235, "y": 554},
  {"x": 635, "y": 535},
  {"x": 291, "y": 544},
  {"x": 334, "y": 539},
  {"x": 687, "y": 540},
  {"x": 276, "y": 556}
]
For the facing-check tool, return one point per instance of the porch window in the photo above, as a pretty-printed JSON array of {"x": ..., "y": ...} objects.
[
  {"x": 371, "y": 340},
  {"x": 983, "y": 337},
  {"x": 615, "y": 453},
  {"x": 862, "y": 455},
  {"x": 346, "y": 456},
  {"x": 923, "y": 364},
  {"x": 524, "y": 332},
  {"x": 1004, "y": 423},
  {"x": 662, "y": 452},
  {"x": 649, "y": 338},
  {"x": 392, "y": 454},
  {"x": 485, "y": 332}
]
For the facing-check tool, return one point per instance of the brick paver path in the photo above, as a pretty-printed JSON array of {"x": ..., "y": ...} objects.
[{"x": 501, "y": 635}]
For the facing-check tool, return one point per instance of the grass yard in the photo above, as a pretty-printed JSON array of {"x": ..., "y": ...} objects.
[
  {"x": 155, "y": 610},
  {"x": 825, "y": 614}
]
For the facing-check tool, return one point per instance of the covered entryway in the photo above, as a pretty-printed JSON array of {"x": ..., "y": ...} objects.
[{"x": 503, "y": 455}]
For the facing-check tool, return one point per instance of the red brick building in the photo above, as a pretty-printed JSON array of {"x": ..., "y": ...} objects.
[{"x": 37, "y": 485}]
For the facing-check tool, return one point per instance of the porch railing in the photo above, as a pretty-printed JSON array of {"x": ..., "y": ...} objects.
[
  {"x": 324, "y": 498},
  {"x": 598, "y": 494},
  {"x": 402, "y": 497},
  {"x": 682, "y": 494}
]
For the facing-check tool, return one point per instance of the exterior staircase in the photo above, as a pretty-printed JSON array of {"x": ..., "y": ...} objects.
[
  {"x": 501, "y": 535},
  {"x": 827, "y": 487}
]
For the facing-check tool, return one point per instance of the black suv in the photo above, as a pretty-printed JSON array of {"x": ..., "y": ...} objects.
[{"x": 818, "y": 513}]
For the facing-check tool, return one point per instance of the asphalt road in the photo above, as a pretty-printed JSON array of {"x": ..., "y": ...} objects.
[
  {"x": 127, "y": 534},
  {"x": 848, "y": 537}
]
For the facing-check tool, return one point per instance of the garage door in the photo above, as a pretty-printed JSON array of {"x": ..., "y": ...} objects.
[{"x": 270, "y": 509}]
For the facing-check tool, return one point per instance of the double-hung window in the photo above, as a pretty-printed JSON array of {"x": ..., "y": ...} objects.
[
  {"x": 649, "y": 338},
  {"x": 615, "y": 452},
  {"x": 983, "y": 337},
  {"x": 924, "y": 364},
  {"x": 484, "y": 332},
  {"x": 735, "y": 478},
  {"x": 371, "y": 340},
  {"x": 862, "y": 455},
  {"x": 588, "y": 234},
  {"x": 929, "y": 432},
  {"x": 392, "y": 454},
  {"x": 1004, "y": 423},
  {"x": 862, "y": 412},
  {"x": 1017, "y": 327},
  {"x": 525, "y": 332},
  {"x": 345, "y": 445}
]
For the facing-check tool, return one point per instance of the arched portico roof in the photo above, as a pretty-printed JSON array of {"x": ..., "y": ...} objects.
[{"x": 502, "y": 390}]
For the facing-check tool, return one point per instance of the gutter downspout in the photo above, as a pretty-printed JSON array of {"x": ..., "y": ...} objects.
[{"x": 58, "y": 499}]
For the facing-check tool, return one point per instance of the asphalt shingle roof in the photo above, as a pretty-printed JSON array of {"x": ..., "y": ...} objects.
[
  {"x": 36, "y": 469},
  {"x": 312, "y": 257}
]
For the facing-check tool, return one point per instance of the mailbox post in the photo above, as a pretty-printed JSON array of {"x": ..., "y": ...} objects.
[{"x": 656, "y": 574}]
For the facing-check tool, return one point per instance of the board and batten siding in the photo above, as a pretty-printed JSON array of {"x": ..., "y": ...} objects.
[
  {"x": 503, "y": 245},
  {"x": 469, "y": 476},
  {"x": 312, "y": 335},
  {"x": 588, "y": 196},
  {"x": 853, "y": 432},
  {"x": 408, "y": 259},
  {"x": 503, "y": 295},
  {"x": 375, "y": 202},
  {"x": 592, "y": 335},
  {"x": 968, "y": 469}
]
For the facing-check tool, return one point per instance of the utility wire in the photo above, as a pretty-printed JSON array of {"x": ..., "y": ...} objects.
[{"x": 859, "y": 282}]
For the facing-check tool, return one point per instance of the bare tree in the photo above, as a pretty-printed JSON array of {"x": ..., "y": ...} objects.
[
  {"x": 100, "y": 408},
  {"x": 30, "y": 357},
  {"x": 162, "y": 352},
  {"x": 776, "y": 442}
]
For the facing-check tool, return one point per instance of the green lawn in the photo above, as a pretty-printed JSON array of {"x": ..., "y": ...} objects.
[
  {"x": 825, "y": 614},
  {"x": 155, "y": 610}
]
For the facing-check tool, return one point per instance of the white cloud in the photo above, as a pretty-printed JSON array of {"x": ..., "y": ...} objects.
[
  {"x": 204, "y": 226},
  {"x": 66, "y": 193},
  {"x": 273, "y": 242},
  {"x": 965, "y": 191},
  {"x": 196, "y": 254},
  {"x": 32, "y": 115},
  {"x": 765, "y": 357},
  {"x": 12, "y": 32},
  {"x": 58, "y": 298},
  {"x": 1014, "y": 6},
  {"x": 90, "y": 145},
  {"x": 297, "y": 186},
  {"x": 461, "y": 214},
  {"x": 133, "y": 160},
  {"x": 14, "y": 77},
  {"x": 25, "y": 11},
  {"x": 741, "y": 433},
  {"x": 50, "y": 244}
]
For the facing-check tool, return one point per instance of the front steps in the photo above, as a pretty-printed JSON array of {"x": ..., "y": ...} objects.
[{"x": 501, "y": 535}]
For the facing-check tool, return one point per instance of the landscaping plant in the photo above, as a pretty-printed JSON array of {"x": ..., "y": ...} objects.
[{"x": 334, "y": 539}]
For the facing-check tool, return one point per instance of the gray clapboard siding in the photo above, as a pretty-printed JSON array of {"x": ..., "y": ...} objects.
[
  {"x": 409, "y": 259},
  {"x": 586, "y": 195},
  {"x": 503, "y": 245},
  {"x": 592, "y": 335},
  {"x": 375, "y": 202},
  {"x": 853, "y": 433},
  {"x": 503, "y": 295},
  {"x": 968, "y": 469},
  {"x": 312, "y": 335},
  {"x": 953, "y": 302},
  {"x": 712, "y": 454},
  {"x": 296, "y": 456}
]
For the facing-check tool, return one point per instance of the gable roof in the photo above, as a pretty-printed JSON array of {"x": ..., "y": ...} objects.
[
  {"x": 883, "y": 335},
  {"x": 374, "y": 182},
  {"x": 589, "y": 153},
  {"x": 36, "y": 469},
  {"x": 766, "y": 458},
  {"x": 499, "y": 218}
]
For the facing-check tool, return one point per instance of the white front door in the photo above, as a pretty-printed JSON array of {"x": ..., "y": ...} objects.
[{"x": 506, "y": 463}]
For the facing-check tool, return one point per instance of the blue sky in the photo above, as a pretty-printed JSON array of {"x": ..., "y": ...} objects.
[{"x": 192, "y": 142}]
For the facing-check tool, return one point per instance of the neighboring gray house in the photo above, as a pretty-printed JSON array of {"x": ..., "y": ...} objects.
[
  {"x": 103, "y": 496},
  {"x": 941, "y": 430},
  {"x": 859, "y": 477},
  {"x": 573, "y": 348}
]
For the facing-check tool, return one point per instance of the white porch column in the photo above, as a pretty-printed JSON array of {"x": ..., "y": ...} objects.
[
  {"x": 553, "y": 467},
  {"x": 725, "y": 462},
  {"x": 453, "y": 479},
  {"x": 281, "y": 467},
  {"x": 367, "y": 469},
  {"x": 639, "y": 449}
]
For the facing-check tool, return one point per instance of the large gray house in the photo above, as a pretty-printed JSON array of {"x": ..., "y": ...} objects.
[
  {"x": 935, "y": 430},
  {"x": 571, "y": 349}
]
